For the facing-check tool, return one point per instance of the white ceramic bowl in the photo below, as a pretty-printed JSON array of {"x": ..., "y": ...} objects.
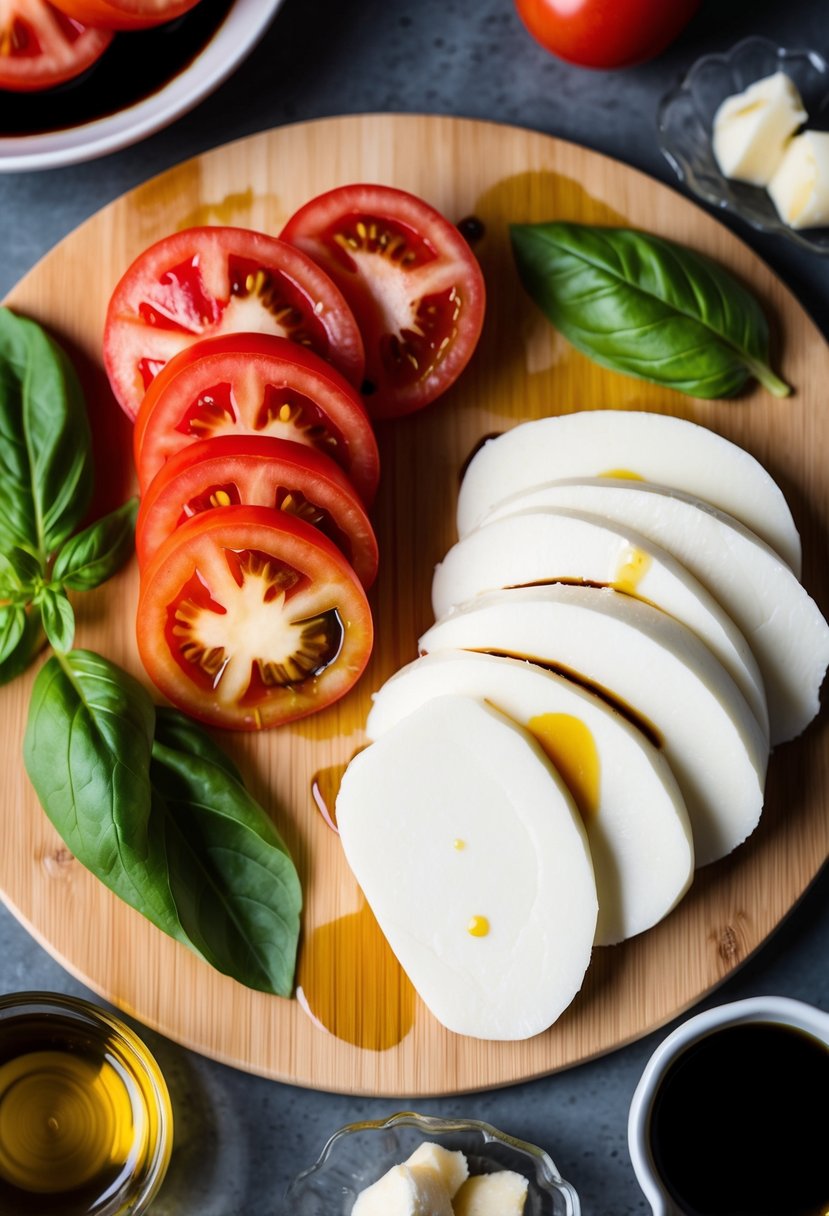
[{"x": 233, "y": 40}]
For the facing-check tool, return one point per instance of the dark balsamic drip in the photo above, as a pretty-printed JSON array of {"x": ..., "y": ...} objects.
[
  {"x": 471, "y": 229},
  {"x": 739, "y": 1125},
  {"x": 137, "y": 64}
]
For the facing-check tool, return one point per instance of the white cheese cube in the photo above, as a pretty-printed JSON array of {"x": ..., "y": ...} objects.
[
  {"x": 500, "y": 1194},
  {"x": 752, "y": 128},
  {"x": 404, "y": 1191},
  {"x": 800, "y": 187},
  {"x": 450, "y": 1167}
]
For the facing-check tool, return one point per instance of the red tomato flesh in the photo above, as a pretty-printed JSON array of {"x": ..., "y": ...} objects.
[
  {"x": 41, "y": 47},
  {"x": 255, "y": 384},
  {"x": 606, "y": 33},
  {"x": 255, "y": 470},
  {"x": 248, "y": 619},
  {"x": 411, "y": 280},
  {"x": 125, "y": 14},
  {"x": 209, "y": 281}
]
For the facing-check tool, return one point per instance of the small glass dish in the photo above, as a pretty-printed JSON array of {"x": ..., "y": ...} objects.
[
  {"x": 686, "y": 117},
  {"x": 360, "y": 1153}
]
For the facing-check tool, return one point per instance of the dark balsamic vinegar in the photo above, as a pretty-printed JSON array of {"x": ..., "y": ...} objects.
[
  {"x": 136, "y": 64},
  {"x": 740, "y": 1124}
]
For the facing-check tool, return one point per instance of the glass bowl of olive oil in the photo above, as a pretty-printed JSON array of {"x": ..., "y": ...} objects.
[{"x": 85, "y": 1118}]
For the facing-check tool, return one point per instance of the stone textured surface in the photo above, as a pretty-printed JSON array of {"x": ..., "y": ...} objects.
[{"x": 240, "y": 1138}]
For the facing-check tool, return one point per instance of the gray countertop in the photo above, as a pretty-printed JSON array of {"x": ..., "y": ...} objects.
[{"x": 239, "y": 1138}]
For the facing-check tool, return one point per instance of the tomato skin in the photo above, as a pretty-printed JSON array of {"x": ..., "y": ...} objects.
[
  {"x": 197, "y": 554},
  {"x": 244, "y": 360},
  {"x": 606, "y": 33},
  {"x": 211, "y": 280},
  {"x": 257, "y": 467},
  {"x": 42, "y": 48},
  {"x": 411, "y": 280},
  {"x": 125, "y": 14}
]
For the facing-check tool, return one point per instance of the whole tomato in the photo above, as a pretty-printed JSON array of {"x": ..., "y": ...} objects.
[{"x": 606, "y": 33}]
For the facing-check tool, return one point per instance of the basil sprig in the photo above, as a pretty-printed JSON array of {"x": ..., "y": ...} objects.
[
  {"x": 147, "y": 802},
  {"x": 647, "y": 307}
]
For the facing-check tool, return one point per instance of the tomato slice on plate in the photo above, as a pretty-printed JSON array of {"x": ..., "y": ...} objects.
[
  {"x": 256, "y": 470},
  {"x": 41, "y": 47},
  {"x": 413, "y": 284},
  {"x": 125, "y": 14},
  {"x": 202, "y": 282},
  {"x": 249, "y": 619},
  {"x": 255, "y": 384}
]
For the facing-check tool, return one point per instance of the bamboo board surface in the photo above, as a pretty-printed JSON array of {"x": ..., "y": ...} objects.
[{"x": 384, "y": 1041}]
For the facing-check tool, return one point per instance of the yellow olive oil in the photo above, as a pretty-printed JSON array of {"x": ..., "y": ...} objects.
[{"x": 84, "y": 1115}]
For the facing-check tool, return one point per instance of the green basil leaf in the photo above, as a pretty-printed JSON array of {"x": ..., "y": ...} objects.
[
  {"x": 235, "y": 886},
  {"x": 20, "y": 567},
  {"x": 647, "y": 307},
  {"x": 58, "y": 619},
  {"x": 176, "y": 730},
  {"x": 87, "y": 752},
  {"x": 45, "y": 444},
  {"x": 12, "y": 629},
  {"x": 29, "y": 643},
  {"x": 94, "y": 555}
]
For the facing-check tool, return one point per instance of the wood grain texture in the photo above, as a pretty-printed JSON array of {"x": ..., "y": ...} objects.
[{"x": 522, "y": 369}]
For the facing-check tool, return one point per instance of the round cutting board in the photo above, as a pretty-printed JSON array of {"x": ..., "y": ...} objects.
[{"x": 366, "y": 1032}]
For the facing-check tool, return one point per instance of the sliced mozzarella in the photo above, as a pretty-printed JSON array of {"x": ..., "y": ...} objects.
[
  {"x": 539, "y": 546},
  {"x": 650, "y": 447},
  {"x": 473, "y": 858},
  {"x": 630, "y": 804},
  {"x": 404, "y": 1191},
  {"x": 780, "y": 621},
  {"x": 503, "y": 1193},
  {"x": 652, "y": 664},
  {"x": 450, "y": 1166}
]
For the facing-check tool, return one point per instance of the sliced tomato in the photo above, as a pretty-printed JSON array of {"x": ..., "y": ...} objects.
[
  {"x": 413, "y": 284},
  {"x": 125, "y": 14},
  {"x": 248, "y": 619},
  {"x": 202, "y": 282},
  {"x": 255, "y": 384},
  {"x": 41, "y": 47},
  {"x": 256, "y": 470}
]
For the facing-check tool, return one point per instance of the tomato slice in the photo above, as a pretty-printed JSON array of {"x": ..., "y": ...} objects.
[
  {"x": 248, "y": 619},
  {"x": 41, "y": 47},
  {"x": 256, "y": 470},
  {"x": 215, "y": 280},
  {"x": 413, "y": 284},
  {"x": 125, "y": 14},
  {"x": 255, "y": 384}
]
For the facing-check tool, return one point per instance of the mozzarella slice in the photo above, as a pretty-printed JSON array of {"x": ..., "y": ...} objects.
[
  {"x": 404, "y": 1191},
  {"x": 538, "y": 546},
  {"x": 800, "y": 187},
  {"x": 780, "y": 621},
  {"x": 503, "y": 1193},
  {"x": 652, "y": 664},
  {"x": 630, "y": 804},
  {"x": 448, "y": 1165},
  {"x": 473, "y": 858},
  {"x": 751, "y": 129},
  {"x": 650, "y": 447}
]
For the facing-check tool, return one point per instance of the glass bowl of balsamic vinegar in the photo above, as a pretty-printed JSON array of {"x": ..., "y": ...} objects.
[{"x": 85, "y": 1115}]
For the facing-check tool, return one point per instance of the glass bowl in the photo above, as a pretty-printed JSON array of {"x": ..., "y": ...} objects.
[
  {"x": 360, "y": 1153},
  {"x": 686, "y": 117}
]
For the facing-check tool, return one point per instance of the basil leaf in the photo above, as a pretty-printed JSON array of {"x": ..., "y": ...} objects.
[
  {"x": 235, "y": 886},
  {"x": 87, "y": 752},
  {"x": 647, "y": 307},
  {"x": 12, "y": 628},
  {"x": 58, "y": 619},
  {"x": 178, "y": 731},
  {"x": 29, "y": 643},
  {"x": 45, "y": 444},
  {"x": 94, "y": 555}
]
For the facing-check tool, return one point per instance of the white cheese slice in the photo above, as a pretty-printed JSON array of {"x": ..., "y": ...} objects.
[
  {"x": 630, "y": 804},
  {"x": 650, "y": 447},
  {"x": 539, "y": 546},
  {"x": 502, "y": 1193},
  {"x": 474, "y": 860},
  {"x": 800, "y": 187},
  {"x": 751, "y": 129},
  {"x": 404, "y": 1191},
  {"x": 650, "y": 663},
  {"x": 780, "y": 621}
]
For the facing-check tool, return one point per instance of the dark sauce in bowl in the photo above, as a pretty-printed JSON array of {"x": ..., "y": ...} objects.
[
  {"x": 740, "y": 1127},
  {"x": 137, "y": 64}
]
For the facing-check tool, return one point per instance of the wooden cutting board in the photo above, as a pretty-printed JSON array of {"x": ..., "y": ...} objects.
[{"x": 376, "y": 1037}]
